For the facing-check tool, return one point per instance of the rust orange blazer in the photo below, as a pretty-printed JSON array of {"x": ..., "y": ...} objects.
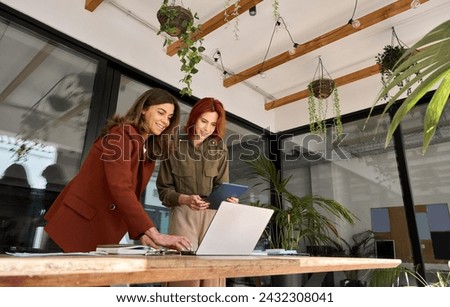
[{"x": 101, "y": 203}]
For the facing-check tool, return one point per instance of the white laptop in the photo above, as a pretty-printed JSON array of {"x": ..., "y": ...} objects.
[{"x": 234, "y": 230}]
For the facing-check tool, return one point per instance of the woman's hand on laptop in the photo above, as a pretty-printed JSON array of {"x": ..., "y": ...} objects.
[
  {"x": 155, "y": 239},
  {"x": 195, "y": 202},
  {"x": 232, "y": 200}
]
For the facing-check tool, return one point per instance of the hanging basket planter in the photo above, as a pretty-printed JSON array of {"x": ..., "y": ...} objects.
[
  {"x": 322, "y": 88},
  {"x": 174, "y": 19},
  {"x": 391, "y": 58}
]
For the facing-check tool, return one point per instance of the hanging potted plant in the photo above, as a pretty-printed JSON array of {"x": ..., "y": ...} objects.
[
  {"x": 178, "y": 21},
  {"x": 320, "y": 89},
  {"x": 390, "y": 57},
  {"x": 174, "y": 19},
  {"x": 387, "y": 59},
  {"x": 432, "y": 58}
]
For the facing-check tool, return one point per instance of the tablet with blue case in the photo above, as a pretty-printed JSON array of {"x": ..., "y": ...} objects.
[{"x": 223, "y": 191}]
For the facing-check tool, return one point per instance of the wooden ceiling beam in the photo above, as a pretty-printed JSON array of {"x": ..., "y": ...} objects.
[
  {"x": 366, "y": 21},
  {"x": 213, "y": 24},
  {"x": 91, "y": 5},
  {"x": 352, "y": 77}
]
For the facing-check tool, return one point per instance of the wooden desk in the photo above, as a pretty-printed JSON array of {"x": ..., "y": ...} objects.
[{"x": 116, "y": 270}]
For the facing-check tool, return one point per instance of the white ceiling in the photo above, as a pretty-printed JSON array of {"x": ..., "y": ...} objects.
[{"x": 304, "y": 19}]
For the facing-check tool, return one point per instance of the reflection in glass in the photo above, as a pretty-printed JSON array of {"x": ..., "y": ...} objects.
[
  {"x": 45, "y": 99},
  {"x": 357, "y": 172},
  {"x": 430, "y": 179}
]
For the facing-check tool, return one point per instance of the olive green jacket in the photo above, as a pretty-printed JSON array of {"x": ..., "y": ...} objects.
[{"x": 192, "y": 171}]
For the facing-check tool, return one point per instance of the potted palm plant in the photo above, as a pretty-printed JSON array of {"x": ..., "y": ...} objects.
[
  {"x": 178, "y": 21},
  {"x": 307, "y": 219},
  {"x": 297, "y": 221}
]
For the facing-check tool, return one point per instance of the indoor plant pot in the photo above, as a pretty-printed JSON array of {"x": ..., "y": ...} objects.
[
  {"x": 322, "y": 88},
  {"x": 174, "y": 19},
  {"x": 319, "y": 91},
  {"x": 388, "y": 60}
]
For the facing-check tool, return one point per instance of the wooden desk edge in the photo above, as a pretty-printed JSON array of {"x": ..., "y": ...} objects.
[{"x": 113, "y": 270}]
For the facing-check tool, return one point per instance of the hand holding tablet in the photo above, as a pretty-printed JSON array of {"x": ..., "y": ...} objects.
[{"x": 224, "y": 191}]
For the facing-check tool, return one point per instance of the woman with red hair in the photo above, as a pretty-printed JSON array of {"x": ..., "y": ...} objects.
[{"x": 199, "y": 164}]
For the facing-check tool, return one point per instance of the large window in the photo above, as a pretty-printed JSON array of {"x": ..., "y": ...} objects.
[
  {"x": 430, "y": 182},
  {"x": 357, "y": 172},
  {"x": 50, "y": 113},
  {"x": 45, "y": 99},
  {"x": 363, "y": 175}
]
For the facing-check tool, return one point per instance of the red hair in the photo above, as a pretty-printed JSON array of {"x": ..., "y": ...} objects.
[{"x": 205, "y": 105}]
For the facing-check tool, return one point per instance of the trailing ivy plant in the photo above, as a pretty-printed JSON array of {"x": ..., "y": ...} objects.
[
  {"x": 190, "y": 51},
  {"x": 318, "y": 107},
  {"x": 234, "y": 15}
]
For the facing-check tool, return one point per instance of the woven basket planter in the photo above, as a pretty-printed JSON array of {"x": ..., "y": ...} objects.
[
  {"x": 322, "y": 88},
  {"x": 174, "y": 19}
]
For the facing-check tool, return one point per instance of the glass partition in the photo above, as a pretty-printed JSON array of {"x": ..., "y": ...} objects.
[
  {"x": 430, "y": 186},
  {"x": 357, "y": 172},
  {"x": 45, "y": 99}
]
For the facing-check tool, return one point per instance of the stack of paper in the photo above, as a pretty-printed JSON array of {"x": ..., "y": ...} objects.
[{"x": 126, "y": 249}]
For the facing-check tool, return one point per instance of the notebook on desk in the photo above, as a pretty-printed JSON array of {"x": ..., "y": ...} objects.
[{"x": 234, "y": 230}]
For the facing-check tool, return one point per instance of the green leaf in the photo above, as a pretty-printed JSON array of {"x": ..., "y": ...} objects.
[
  {"x": 435, "y": 110},
  {"x": 411, "y": 101},
  {"x": 429, "y": 65}
]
